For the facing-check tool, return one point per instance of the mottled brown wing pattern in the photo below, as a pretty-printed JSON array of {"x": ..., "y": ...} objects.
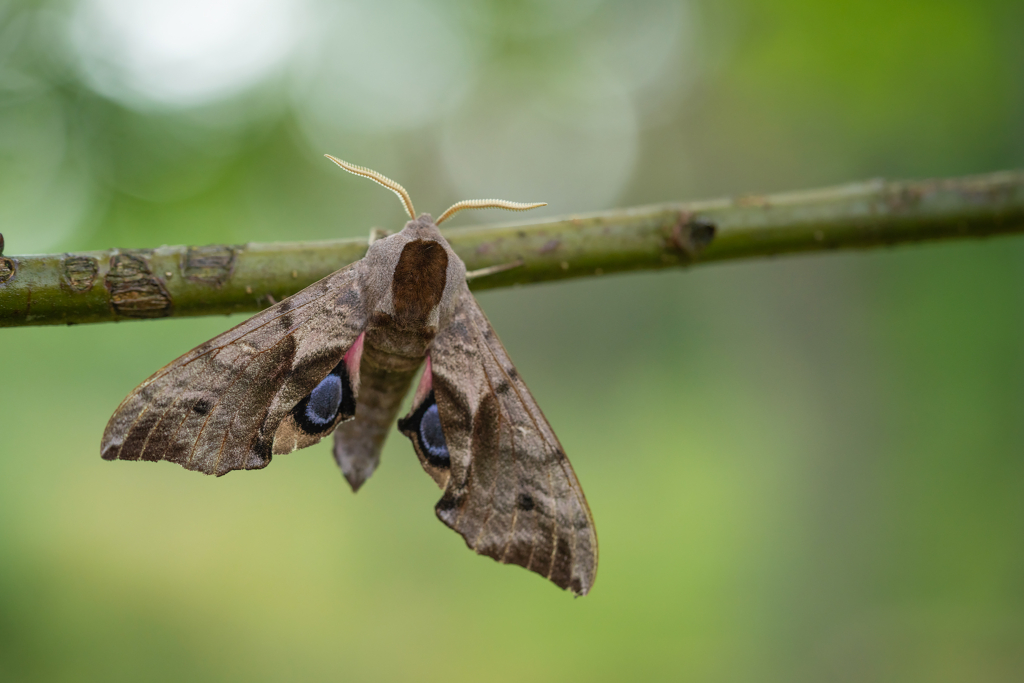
[
  {"x": 511, "y": 492},
  {"x": 218, "y": 407}
]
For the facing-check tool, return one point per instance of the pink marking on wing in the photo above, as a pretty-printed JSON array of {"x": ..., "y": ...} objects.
[
  {"x": 426, "y": 384},
  {"x": 353, "y": 356}
]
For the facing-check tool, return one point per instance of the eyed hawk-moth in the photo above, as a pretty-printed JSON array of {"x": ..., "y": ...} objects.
[{"x": 340, "y": 356}]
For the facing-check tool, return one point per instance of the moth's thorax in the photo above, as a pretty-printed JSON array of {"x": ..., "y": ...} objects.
[{"x": 411, "y": 281}]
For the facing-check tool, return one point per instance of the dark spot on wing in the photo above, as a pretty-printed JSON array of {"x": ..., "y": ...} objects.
[
  {"x": 561, "y": 563},
  {"x": 419, "y": 281},
  {"x": 262, "y": 448},
  {"x": 502, "y": 387},
  {"x": 349, "y": 297},
  {"x": 512, "y": 373},
  {"x": 449, "y": 503},
  {"x": 524, "y": 502},
  {"x": 285, "y": 322},
  {"x": 202, "y": 407},
  {"x": 580, "y": 520}
]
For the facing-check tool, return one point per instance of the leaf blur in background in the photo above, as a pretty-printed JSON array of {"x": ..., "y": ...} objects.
[{"x": 800, "y": 469}]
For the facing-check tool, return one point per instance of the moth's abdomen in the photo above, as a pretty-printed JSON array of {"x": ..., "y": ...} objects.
[{"x": 357, "y": 444}]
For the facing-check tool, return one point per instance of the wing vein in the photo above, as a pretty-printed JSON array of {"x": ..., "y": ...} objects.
[
  {"x": 515, "y": 505},
  {"x": 487, "y": 375},
  {"x": 494, "y": 485},
  {"x": 223, "y": 393},
  {"x": 171, "y": 368},
  {"x": 543, "y": 435}
]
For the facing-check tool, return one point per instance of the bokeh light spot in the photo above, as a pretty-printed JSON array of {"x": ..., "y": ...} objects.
[{"x": 182, "y": 53}]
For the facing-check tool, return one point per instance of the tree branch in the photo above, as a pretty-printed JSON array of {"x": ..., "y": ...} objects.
[{"x": 187, "y": 281}]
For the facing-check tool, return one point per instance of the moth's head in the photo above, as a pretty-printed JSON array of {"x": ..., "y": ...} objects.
[
  {"x": 423, "y": 226},
  {"x": 413, "y": 274}
]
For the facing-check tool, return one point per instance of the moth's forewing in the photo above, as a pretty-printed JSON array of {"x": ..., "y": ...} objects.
[
  {"x": 219, "y": 407},
  {"x": 509, "y": 489}
]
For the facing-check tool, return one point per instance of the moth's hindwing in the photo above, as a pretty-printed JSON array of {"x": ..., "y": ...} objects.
[
  {"x": 423, "y": 427},
  {"x": 509, "y": 489},
  {"x": 331, "y": 402},
  {"x": 231, "y": 403}
]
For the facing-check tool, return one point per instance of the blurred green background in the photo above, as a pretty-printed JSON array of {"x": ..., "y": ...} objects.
[{"x": 802, "y": 469}]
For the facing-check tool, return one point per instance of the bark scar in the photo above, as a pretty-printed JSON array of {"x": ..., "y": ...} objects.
[
  {"x": 691, "y": 235},
  {"x": 135, "y": 292},
  {"x": 212, "y": 264},
  {"x": 79, "y": 272},
  {"x": 7, "y": 269}
]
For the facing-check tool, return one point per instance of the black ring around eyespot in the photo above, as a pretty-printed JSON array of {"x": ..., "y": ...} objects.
[
  {"x": 346, "y": 408},
  {"x": 412, "y": 427}
]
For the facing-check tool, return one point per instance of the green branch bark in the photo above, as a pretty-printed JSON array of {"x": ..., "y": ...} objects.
[{"x": 188, "y": 281}]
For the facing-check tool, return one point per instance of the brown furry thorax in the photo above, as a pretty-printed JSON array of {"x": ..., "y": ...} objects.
[{"x": 413, "y": 278}]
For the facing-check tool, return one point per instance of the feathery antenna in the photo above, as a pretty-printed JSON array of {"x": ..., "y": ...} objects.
[
  {"x": 452, "y": 210},
  {"x": 381, "y": 179},
  {"x": 486, "y": 204}
]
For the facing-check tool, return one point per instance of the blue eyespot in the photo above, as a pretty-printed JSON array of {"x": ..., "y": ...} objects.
[
  {"x": 330, "y": 400},
  {"x": 324, "y": 401},
  {"x": 431, "y": 435}
]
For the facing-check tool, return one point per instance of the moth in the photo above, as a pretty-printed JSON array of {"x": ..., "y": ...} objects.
[{"x": 340, "y": 356}]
